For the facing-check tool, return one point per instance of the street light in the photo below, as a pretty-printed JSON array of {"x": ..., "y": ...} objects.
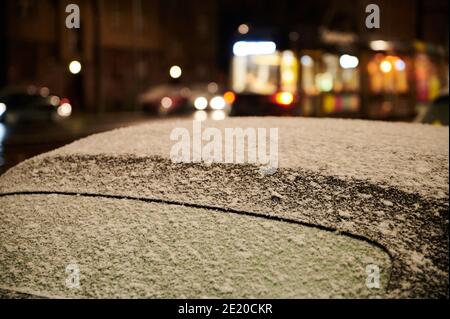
[
  {"x": 175, "y": 72},
  {"x": 243, "y": 29},
  {"x": 75, "y": 67}
]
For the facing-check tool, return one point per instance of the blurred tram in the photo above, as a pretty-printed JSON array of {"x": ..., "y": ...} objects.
[
  {"x": 376, "y": 80},
  {"x": 264, "y": 80}
]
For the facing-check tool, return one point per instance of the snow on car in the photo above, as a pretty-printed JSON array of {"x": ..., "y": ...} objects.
[{"x": 355, "y": 209}]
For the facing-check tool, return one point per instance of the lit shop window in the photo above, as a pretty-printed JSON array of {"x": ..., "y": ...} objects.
[
  {"x": 256, "y": 74},
  {"x": 265, "y": 73},
  {"x": 388, "y": 74},
  {"x": 308, "y": 75},
  {"x": 339, "y": 82},
  {"x": 289, "y": 72},
  {"x": 339, "y": 73},
  {"x": 340, "y": 103}
]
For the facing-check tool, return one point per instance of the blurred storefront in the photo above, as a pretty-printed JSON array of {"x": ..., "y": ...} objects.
[
  {"x": 431, "y": 71},
  {"x": 327, "y": 63},
  {"x": 348, "y": 70},
  {"x": 376, "y": 80},
  {"x": 377, "y": 83},
  {"x": 403, "y": 77},
  {"x": 329, "y": 83},
  {"x": 389, "y": 90},
  {"x": 264, "y": 79}
]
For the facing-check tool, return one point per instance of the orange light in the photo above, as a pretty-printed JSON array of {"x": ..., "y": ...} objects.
[
  {"x": 284, "y": 98},
  {"x": 229, "y": 97}
]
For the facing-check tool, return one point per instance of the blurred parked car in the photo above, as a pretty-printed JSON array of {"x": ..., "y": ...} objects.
[
  {"x": 177, "y": 99},
  {"x": 31, "y": 105},
  {"x": 165, "y": 99},
  {"x": 211, "y": 96}
]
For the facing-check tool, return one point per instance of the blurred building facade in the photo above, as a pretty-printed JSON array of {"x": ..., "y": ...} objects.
[
  {"x": 400, "y": 19},
  {"x": 124, "y": 47}
]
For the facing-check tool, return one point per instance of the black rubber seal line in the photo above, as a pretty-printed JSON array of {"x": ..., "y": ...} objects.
[
  {"x": 12, "y": 293},
  {"x": 226, "y": 210}
]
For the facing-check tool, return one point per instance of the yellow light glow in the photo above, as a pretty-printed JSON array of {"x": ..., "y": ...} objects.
[
  {"x": 289, "y": 71},
  {"x": 386, "y": 66},
  {"x": 284, "y": 98},
  {"x": 288, "y": 76},
  {"x": 75, "y": 67}
]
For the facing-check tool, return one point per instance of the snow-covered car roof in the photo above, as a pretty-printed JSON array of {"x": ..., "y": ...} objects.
[{"x": 383, "y": 183}]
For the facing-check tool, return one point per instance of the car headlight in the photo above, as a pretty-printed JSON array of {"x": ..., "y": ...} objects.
[
  {"x": 54, "y": 100},
  {"x": 64, "y": 110},
  {"x": 217, "y": 103},
  {"x": 2, "y": 108},
  {"x": 201, "y": 103}
]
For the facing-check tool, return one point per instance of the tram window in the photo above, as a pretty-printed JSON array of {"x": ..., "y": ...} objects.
[{"x": 260, "y": 74}]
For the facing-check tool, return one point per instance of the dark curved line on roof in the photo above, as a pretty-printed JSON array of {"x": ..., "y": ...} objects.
[
  {"x": 226, "y": 210},
  {"x": 13, "y": 293}
]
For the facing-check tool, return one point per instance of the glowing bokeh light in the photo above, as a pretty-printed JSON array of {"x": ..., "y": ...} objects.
[
  {"x": 175, "y": 72},
  {"x": 75, "y": 67}
]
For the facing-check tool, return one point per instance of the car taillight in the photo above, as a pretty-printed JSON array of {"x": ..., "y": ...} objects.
[
  {"x": 65, "y": 109},
  {"x": 64, "y": 101},
  {"x": 284, "y": 98}
]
